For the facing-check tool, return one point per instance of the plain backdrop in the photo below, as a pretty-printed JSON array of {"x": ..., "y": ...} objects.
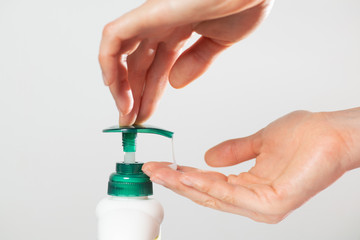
[{"x": 55, "y": 161}]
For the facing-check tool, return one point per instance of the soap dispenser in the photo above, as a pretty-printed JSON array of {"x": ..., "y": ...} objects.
[{"x": 128, "y": 212}]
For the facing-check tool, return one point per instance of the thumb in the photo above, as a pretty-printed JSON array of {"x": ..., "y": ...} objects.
[
  {"x": 234, "y": 151},
  {"x": 194, "y": 61}
]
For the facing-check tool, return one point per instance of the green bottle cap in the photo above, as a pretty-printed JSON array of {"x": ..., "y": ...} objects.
[{"x": 129, "y": 181}]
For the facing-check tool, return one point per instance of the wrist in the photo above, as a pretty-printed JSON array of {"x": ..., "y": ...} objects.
[{"x": 347, "y": 124}]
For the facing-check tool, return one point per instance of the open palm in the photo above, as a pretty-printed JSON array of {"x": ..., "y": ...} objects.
[{"x": 297, "y": 156}]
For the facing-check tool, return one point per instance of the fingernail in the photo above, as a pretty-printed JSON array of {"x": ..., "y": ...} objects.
[
  {"x": 106, "y": 82},
  {"x": 186, "y": 181},
  {"x": 158, "y": 181},
  {"x": 122, "y": 120},
  {"x": 173, "y": 166}
]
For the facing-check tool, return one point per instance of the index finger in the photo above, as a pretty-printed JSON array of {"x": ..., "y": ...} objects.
[
  {"x": 172, "y": 179},
  {"x": 114, "y": 33},
  {"x": 236, "y": 195}
]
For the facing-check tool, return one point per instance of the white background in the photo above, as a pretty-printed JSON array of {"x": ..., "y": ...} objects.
[{"x": 54, "y": 160}]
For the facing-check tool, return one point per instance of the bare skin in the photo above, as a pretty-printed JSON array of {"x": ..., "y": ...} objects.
[
  {"x": 297, "y": 156},
  {"x": 140, "y": 51}
]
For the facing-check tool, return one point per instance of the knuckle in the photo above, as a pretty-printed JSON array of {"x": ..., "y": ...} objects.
[
  {"x": 210, "y": 203},
  {"x": 228, "y": 198},
  {"x": 234, "y": 179},
  {"x": 204, "y": 188},
  {"x": 234, "y": 149},
  {"x": 244, "y": 176},
  {"x": 200, "y": 56},
  {"x": 299, "y": 113},
  {"x": 102, "y": 57},
  {"x": 108, "y": 30}
]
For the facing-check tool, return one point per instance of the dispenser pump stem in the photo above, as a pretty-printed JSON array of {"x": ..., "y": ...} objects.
[
  {"x": 129, "y": 146},
  {"x": 129, "y": 134},
  {"x": 129, "y": 141},
  {"x": 129, "y": 157}
]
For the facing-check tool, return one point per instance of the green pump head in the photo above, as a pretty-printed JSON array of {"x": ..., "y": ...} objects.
[{"x": 129, "y": 180}]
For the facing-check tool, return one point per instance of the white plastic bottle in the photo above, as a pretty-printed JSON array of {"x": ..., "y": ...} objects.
[
  {"x": 128, "y": 212},
  {"x": 134, "y": 218}
]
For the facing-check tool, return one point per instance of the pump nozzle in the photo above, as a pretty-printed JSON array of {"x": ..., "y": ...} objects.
[
  {"x": 129, "y": 134},
  {"x": 129, "y": 179}
]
